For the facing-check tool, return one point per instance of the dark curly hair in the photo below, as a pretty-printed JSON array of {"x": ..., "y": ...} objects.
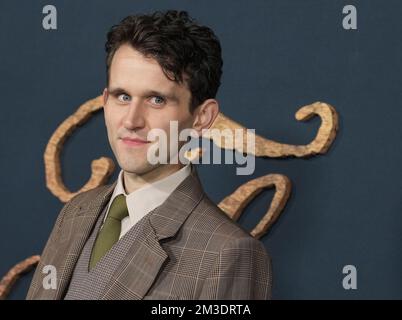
[{"x": 185, "y": 50}]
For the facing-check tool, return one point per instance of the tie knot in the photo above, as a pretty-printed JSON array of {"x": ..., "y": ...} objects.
[{"x": 118, "y": 209}]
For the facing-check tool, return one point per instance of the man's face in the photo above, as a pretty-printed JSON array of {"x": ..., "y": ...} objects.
[{"x": 139, "y": 98}]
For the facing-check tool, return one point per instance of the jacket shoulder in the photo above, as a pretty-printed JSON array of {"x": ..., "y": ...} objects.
[
  {"x": 212, "y": 228},
  {"x": 84, "y": 199}
]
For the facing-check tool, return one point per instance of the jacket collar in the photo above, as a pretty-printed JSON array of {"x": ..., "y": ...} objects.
[{"x": 167, "y": 218}]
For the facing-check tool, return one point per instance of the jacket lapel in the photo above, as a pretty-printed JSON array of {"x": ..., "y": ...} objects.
[
  {"x": 75, "y": 231},
  {"x": 138, "y": 270}
]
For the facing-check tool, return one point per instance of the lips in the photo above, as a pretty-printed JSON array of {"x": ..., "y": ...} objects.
[{"x": 134, "y": 141}]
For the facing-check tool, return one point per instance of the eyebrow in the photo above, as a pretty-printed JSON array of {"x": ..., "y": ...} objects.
[{"x": 170, "y": 96}]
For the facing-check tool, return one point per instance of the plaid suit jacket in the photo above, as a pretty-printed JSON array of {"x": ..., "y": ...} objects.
[{"x": 188, "y": 249}]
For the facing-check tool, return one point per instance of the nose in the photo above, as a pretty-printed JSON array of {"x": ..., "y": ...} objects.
[{"x": 134, "y": 118}]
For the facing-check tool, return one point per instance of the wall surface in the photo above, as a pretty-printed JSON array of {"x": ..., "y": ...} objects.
[{"x": 345, "y": 207}]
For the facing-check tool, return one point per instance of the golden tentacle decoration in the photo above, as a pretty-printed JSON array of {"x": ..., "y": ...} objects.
[
  {"x": 268, "y": 148},
  {"x": 101, "y": 168},
  {"x": 15, "y": 272},
  {"x": 234, "y": 204}
]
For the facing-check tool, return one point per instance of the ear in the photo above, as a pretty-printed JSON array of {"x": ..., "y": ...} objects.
[
  {"x": 105, "y": 95},
  {"x": 205, "y": 115}
]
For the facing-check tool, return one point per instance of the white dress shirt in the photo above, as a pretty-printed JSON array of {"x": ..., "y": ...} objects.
[{"x": 145, "y": 199}]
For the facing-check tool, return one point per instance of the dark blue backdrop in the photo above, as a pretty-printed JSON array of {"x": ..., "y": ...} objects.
[{"x": 345, "y": 206}]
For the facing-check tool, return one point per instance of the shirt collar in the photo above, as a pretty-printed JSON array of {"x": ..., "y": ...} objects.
[{"x": 142, "y": 201}]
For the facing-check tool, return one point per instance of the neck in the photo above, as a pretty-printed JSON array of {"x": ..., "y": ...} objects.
[{"x": 133, "y": 181}]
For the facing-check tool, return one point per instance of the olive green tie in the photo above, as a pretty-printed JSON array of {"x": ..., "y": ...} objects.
[{"x": 110, "y": 232}]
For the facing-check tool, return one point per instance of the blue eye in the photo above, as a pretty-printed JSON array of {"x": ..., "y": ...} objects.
[
  {"x": 124, "y": 97},
  {"x": 157, "y": 100}
]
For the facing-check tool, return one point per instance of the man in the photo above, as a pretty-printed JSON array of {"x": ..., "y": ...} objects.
[{"x": 154, "y": 234}]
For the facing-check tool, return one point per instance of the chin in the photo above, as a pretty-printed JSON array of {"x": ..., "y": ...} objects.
[{"x": 139, "y": 168}]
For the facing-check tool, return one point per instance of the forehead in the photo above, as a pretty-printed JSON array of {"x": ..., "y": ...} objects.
[{"x": 131, "y": 70}]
